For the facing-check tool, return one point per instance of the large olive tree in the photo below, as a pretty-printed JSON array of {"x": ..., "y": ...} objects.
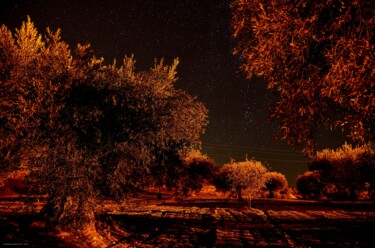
[
  {"x": 319, "y": 59},
  {"x": 85, "y": 128}
]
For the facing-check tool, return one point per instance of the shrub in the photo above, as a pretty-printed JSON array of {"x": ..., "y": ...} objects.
[
  {"x": 275, "y": 182},
  {"x": 221, "y": 181},
  {"x": 309, "y": 185}
]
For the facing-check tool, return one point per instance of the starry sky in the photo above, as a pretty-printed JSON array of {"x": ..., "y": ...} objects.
[{"x": 198, "y": 33}]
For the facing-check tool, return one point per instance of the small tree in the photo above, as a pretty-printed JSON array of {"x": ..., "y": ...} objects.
[
  {"x": 248, "y": 175},
  {"x": 190, "y": 172},
  {"x": 275, "y": 182},
  {"x": 200, "y": 169}
]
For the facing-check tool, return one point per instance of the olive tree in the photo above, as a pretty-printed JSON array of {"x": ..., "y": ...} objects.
[
  {"x": 248, "y": 176},
  {"x": 318, "y": 57},
  {"x": 86, "y": 128},
  {"x": 346, "y": 171}
]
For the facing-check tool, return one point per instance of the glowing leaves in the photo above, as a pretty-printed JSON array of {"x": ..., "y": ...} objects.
[
  {"x": 162, "y": 77},
  {"x": 7, "y": 48},
  {"x": 28, "y": 40},
  {"x": 318, "y": 59},
  {"x": 83, "y": 126},
  {"x": 35, "y": 75},
  {"x": 247, "y": 175},
  {"x": 172, "y": 69},
  {"x": 128, "y": 67}
]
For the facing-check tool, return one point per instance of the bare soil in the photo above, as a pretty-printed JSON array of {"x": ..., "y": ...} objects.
[{"x": 197, "y": 222}]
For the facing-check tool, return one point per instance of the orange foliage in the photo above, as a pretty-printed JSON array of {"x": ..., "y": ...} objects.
[
  {"x": 238, "y": 177},
  {"x": 84, "y": 127},
  {"x": 319, "y": 59},
  {"x": 344, "y": 173}
]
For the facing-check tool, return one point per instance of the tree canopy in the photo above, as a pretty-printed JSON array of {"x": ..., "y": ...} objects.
[
  {"x": 85, "y": 128},
  {"x": 238, "y": 177},
  {"x": 318, "y": 57}
]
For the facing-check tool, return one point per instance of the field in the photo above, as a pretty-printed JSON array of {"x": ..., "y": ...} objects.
[{"x": 202, "y": 222}]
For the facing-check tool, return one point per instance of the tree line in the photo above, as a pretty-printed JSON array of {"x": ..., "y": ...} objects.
[{"x": 346, "y": 173}]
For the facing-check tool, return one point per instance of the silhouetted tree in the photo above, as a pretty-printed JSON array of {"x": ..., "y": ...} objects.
[
  {"x": 83, "y": 127},
  {"x": 185, "y": 172},
  {"x": 275, "y": 182},
  {"x": 198, "y": 169},
  {"x": 319, "y": 59},
  {"x": 309, "y": 185},
  {"x": 221, "y": 180}
]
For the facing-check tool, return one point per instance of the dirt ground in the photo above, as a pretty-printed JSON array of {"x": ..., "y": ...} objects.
[{"x": 203, "y": 222}]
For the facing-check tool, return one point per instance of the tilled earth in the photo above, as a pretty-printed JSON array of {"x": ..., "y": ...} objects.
[
  {"x": 272, "y": 223},
  {"x": 207, "y": 223}
]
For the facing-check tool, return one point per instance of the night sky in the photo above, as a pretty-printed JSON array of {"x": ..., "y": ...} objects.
[{"x": 198, "y": 33}]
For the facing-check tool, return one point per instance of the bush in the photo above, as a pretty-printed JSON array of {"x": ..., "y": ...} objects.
[
  {"x": 309, "y": 185},
  {"x": 275, "y": 183}
]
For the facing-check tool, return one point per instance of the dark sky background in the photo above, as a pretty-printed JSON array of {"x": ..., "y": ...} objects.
[{"x": 198, "y": 33}]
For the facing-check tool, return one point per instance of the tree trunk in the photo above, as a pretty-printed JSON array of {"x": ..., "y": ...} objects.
[
  {"x": 159, "y": 196},
  {"x": 239, "y": 192},
  {"x": 353, "y": 194},
  {"x": 69, "y": 212},
  {"x": 271, "y": 194}
]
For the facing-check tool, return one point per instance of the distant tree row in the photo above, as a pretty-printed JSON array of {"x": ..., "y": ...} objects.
[
  {"x": 345, "y": 173},
  {"x": 84, "y": 128}
]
